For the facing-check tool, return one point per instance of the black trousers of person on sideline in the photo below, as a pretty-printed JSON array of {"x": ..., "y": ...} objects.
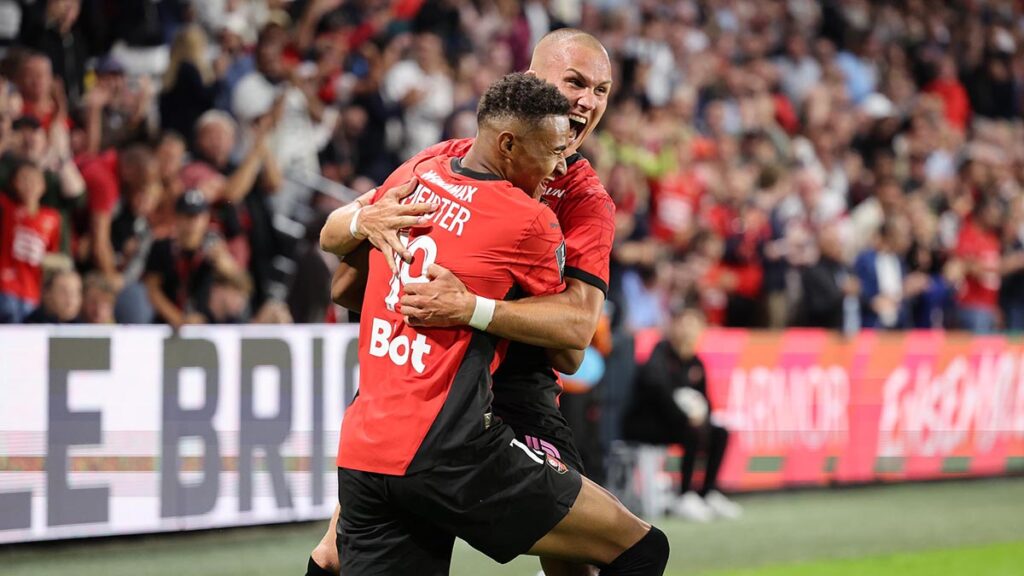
[{"x": 708, "y": 438}]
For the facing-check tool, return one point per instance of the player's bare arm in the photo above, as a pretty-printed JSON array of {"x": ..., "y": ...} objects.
[
  {"x": 349, "y": 281},
  {"x": 566, "y": 320},
  {"x": 377, "y": 223}
]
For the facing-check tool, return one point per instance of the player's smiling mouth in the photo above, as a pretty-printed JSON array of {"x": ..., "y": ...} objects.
[{"x": 577, "y": 123}]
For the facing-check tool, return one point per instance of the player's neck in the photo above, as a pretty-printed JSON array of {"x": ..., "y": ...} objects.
[{"x": 475, "y": 160}]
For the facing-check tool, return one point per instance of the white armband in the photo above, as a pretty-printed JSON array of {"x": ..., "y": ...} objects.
[
  {"x": 483, "y": 313},
  {"x": 353, "y": 225}
]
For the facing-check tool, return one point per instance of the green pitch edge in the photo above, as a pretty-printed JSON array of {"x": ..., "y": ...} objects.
[{"x": 1015, "y": 464}]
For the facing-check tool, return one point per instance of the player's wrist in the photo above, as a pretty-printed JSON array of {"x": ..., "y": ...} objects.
[
  {"x": 353, "y": 225},
  {"x": 483, "y": 313}
]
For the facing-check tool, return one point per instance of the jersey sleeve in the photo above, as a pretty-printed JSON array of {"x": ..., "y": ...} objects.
[
  {"x": 589, "y": 228},
  {"x": 539, "y": 261}
]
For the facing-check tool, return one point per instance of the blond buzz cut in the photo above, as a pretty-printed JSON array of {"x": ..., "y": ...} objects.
[{"x": 561, "y": 36}]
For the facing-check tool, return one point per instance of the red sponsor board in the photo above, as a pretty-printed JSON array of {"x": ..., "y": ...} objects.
[{"x": 808, "y": 407}]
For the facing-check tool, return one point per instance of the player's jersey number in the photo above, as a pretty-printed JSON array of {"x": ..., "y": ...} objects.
[{"x": 424, "y": 253}]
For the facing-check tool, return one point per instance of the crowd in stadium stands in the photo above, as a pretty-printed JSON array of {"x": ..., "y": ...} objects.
[{"x": 841, "y": 164}]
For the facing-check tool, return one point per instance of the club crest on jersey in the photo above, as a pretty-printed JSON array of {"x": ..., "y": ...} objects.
[{"x": 557, "y": 464}]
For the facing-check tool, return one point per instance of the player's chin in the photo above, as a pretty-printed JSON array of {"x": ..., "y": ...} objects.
[{"x": 538, "y": 192}]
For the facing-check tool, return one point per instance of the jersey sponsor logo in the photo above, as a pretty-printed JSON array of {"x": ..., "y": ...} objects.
[
  {"x": 553, "y": 192},
  {"x": 400, "y": 349},
  {"x": 463, "y": 192}
]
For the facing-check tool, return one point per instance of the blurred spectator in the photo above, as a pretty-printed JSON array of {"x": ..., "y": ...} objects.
[
  {"x": 233, "y": 61},
  {"x": 670, "y": 405},
  {"x": 50, "y": 27},
  {"x": 140, "y": 37},
  {"x": 422, "y": 87},
  {"x": 829, "y": 288},
  {"x": 886, "y": 282},
  {"x": 170, "y": 154},
  {"x": 28, "y": 231},
  {"x": 98, "y": 298},
  {"x": 118, "y": 108},
  {"x": 229, "y": 299},
  {"x": 302, "y": 128},
  {"x": 180, "y": 270},
  {"x": 62, "y": 299},
  {"x": 798, "y": 70},
  {"x": 63, "y": 187},
  {"x": 123, "y": 190},
  {"x": 190, "y": 83},
  {"x": 36, "y": 86},
  {"x": 978, "y": 250},
  {"x": 241, "y": 192},
  {"x": 947, "y": 86},
  {"x": 229, "y": 303},
  {"x": 11, "y": 15}
]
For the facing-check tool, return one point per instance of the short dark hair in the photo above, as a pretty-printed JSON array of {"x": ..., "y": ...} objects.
[{"x": 523, "y": 97}]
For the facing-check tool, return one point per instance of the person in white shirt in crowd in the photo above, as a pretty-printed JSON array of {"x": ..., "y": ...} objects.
[{"x": 422, "y": 86}]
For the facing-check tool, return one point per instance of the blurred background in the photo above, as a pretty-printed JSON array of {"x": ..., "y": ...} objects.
[{"x": 819, "y": 201}]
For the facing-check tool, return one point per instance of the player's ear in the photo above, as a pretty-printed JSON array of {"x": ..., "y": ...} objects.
[{"x": 506, "y": 142}]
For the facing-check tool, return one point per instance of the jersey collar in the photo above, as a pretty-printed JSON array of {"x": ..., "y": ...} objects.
[{"x": 458, "y": 168}]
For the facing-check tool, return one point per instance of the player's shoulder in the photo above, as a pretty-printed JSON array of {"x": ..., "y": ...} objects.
[
  {"x": 580, "y": 183},
  {"x": 455, "y": 147}
]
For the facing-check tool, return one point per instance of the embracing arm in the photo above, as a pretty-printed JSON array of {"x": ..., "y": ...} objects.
[
  {"x": 378, "y": 223},
  {"x": 566, "y": 320},
  {"x": 349, "y": 281},
  {"x": 335, "y": 236},
  {"x": 565, "y": 361}
]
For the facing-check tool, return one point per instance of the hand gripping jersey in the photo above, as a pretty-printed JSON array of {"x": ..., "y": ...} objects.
[{"x": 424, "y": 392}]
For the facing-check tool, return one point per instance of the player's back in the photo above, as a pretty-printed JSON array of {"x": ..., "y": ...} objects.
[
  {"x": 424, "y": 392},
  {"x": 526, "y": 387}
]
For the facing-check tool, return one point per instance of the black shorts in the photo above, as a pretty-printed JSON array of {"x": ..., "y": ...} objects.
[
  {"x": 501, "y": 500},
  {"x": 543, "y": 428}
]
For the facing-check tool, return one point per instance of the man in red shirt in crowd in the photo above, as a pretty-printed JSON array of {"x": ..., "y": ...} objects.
[
  {"x": 28, "y": 232},
  {"x": 979, "y": 250}
]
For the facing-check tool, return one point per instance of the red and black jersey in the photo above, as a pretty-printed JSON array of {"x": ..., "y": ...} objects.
[
  {"x": 424, "y": 391},
  {"x": 25, "y": 238},
  {"x": 525, "y": 385},
  {"x": 584, "y": 210}
]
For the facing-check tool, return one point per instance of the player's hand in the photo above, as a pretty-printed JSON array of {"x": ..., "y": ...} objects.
[
  {"x": 380, "y": 222},
  {"x": 443, "y": 301}
]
